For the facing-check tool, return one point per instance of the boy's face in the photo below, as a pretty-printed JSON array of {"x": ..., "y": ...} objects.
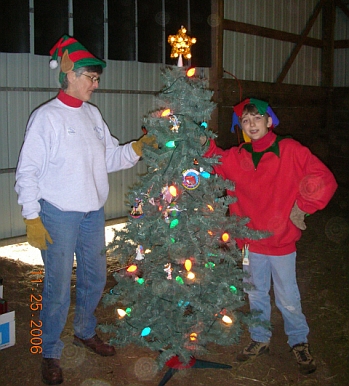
[{"x": 255, "y": 126}]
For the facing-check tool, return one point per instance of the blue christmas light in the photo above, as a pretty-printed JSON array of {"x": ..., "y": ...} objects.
[{"x": 146, "y": 331}]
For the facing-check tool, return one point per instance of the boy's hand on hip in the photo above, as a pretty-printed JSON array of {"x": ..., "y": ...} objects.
[
  {"x": 37, "y": 234},
  {"x": 297, "y": 217}
]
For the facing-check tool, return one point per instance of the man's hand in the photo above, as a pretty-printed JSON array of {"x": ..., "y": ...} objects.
[
  {"x": 146, "y": 139},
  {"x": 37, "y": 233},
  {"x": 297, "y": 217}
]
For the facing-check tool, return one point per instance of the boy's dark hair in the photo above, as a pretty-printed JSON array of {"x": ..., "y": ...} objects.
[{"x": 250, "y": 108}]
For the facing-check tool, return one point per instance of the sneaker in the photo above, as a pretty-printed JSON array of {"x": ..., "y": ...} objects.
[
  {"x": 253, "y": 350},
  {"x": 305, "y": 360}
]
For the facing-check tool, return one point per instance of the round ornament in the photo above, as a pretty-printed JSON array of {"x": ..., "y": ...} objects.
[{"x": 191, "y": 179}]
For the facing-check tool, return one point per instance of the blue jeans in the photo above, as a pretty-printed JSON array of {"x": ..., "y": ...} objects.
[
  {"x": 84, "y": 235},
  {"x": 282, "y": 269}
]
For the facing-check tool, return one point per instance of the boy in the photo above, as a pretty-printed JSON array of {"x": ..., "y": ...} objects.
[{"x": 278, "y": 181}]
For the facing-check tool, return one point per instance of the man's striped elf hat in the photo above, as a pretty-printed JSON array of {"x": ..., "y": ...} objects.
[{"x": 73, "y": 55}]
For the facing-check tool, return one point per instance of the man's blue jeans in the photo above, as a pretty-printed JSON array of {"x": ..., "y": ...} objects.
[
  {"x": 84, "y": 235},
  {"x": 282, "y": 269}
]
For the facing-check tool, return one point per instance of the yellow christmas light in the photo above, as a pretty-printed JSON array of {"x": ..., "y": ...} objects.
[
  {"x": 227, "y": 320},
  {"x": 173, "y": 190},
  {"x": 191, "y": 275},
  {"x": 188, "y": 264},
  {"x": 166, "y": 112},
  {"x": 181, "y": 44},
  {"x": 121, "y": 312}
]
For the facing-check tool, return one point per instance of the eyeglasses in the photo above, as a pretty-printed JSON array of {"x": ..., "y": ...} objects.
[{"x": 93, "y": 78}]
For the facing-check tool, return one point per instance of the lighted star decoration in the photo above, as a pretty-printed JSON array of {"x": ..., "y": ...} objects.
[{"x": 181, "y": 44}]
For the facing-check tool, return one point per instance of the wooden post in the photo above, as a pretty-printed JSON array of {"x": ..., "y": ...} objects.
[
  {"x": 327, "y": 58},
  {"x": 216, "y": 70}
]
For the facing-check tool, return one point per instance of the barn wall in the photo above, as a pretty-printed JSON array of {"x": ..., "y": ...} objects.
[
  {"x": 314, "y": 115},
  {"x": 125, "y": 95}
]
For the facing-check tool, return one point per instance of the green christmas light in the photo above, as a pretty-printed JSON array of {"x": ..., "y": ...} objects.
[
  {"x": 128, "y": 311},
  {"x": 210, "y": 265},
  {"x": 174, "y": 223},
  {"x": 233, "y": 289},
  {"x": 179, "y": 280},
  {"x": 170, "y": 144},
  {"x": 140, "y": 280}
]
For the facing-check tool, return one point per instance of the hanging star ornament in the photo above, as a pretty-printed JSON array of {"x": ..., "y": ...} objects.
[{"x": 181, "y": 44}]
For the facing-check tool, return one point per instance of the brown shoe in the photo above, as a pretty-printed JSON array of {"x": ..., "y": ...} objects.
[
  {"x": 51, "y": 371},
  {"x": 95, "y": 344}
]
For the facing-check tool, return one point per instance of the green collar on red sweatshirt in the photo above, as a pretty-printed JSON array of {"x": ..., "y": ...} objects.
[{"x": 257, "y": 155}]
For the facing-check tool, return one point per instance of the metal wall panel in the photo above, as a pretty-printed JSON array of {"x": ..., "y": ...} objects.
[
  {"x": 125, "y": 96},
  {"x": 283, "y": 15},
  {"x": 256, "y": 58},
  {"x": 341, "y": 55}
]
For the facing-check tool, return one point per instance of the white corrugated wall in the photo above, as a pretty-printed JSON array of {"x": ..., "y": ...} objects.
[
  {"x": 256, "y": 58},
  {"x": 26, "y": 81}
]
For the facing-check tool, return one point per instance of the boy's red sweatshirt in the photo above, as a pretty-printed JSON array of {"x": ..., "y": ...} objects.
[{"x": 285, "y": 172}]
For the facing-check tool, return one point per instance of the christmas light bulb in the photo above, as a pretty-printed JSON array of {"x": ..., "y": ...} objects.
[
  {"x": 121, "y": 312},
  {"x": 173, "y": 190},
  {"x": 188, "y": 264},
  {"x": 132, "y": 268},
  {"x": 191, "y": 72},
  {"x": 225, "y": 237},
  {"x": 174, "y": 223},
  {"x": 193, "y": 336},
  {"x": 179, "y": 280},
  {"x": 210, "y": 207},
  {"x": 166, "y": 112},
  {"x": 233, "y": 289},
  {"x": 227, "y": 320},
  {"x": 146, "y": 331},
  {"x": 170, "y": 144},
  {"x": 191, "y": 275}
]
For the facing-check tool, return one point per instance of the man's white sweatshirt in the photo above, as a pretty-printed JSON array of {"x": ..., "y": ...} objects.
[{"x": 66, "y": 157}]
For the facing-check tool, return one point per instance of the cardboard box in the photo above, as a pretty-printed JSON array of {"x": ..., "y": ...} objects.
[{"x": 7, "y": 330}]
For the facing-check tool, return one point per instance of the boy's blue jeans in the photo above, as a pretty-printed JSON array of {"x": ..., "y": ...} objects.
[
  {"x": 84, "y": 235},
  {"x": 282, "y": 269}
]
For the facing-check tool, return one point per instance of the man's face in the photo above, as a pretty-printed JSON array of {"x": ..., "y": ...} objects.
[
  {"x": 82, "y": 87},
  {"x": 255, "y": 126}
]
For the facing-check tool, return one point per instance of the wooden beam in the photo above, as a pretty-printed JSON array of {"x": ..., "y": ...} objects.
[
  {"x": 251, "y": 29},
  {"x": 327, "y": 58},
  {"x": 343, "y": 7},
  {"x": 341, "y": 44},
  {"x": 216, "y": 69},
  {"x": 301, "y": 41}
]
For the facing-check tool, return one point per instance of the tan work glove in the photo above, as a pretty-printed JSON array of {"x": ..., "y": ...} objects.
[
  {"x": 37, "y": 233},
  {"x": 297, "y": 217},
  {"x": 146, "y": 139}
]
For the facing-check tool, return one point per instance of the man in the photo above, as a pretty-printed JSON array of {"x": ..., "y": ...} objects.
[{"x": 62, "y": 185}]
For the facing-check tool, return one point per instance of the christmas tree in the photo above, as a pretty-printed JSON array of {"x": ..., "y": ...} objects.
[{"x": 180, "y": 282}]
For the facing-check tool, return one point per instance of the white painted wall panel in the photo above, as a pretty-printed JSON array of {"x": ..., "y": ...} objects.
[
  {"x": 125, "y": 95},
  {"x": 256, "y": 58}
]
